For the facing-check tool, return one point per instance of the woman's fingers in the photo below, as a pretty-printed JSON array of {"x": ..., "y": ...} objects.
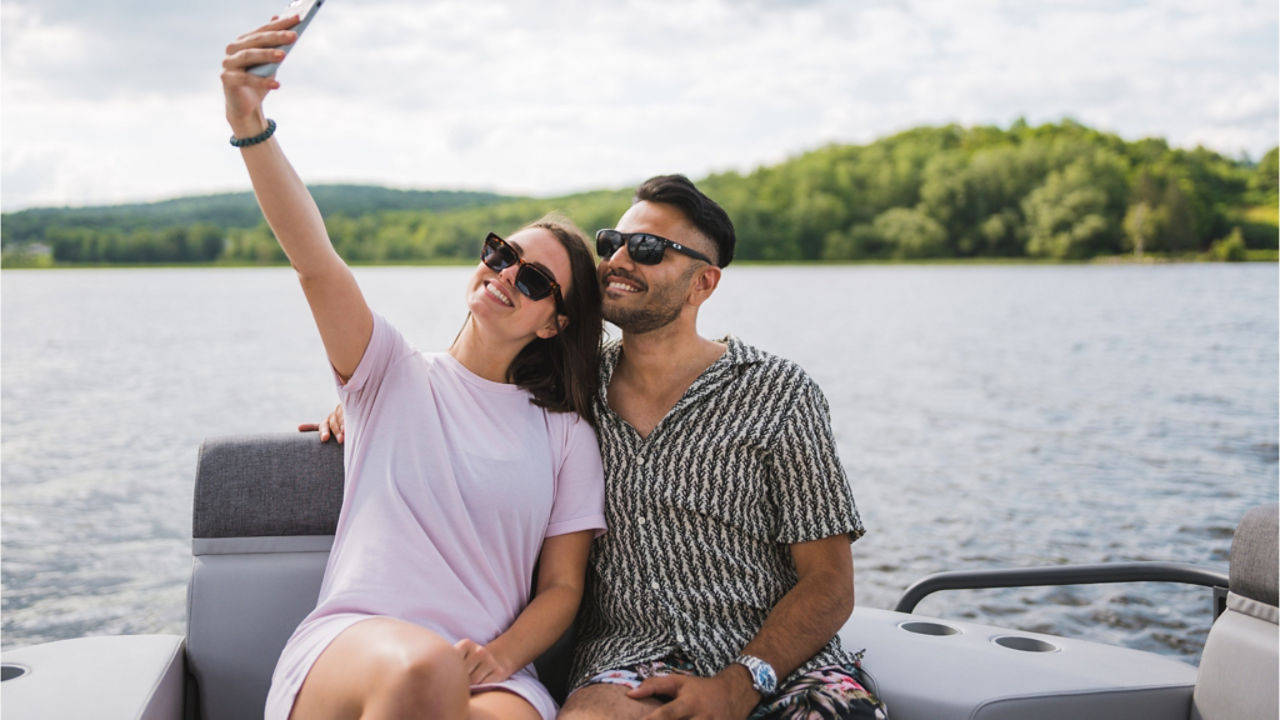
[
  {"x": 467, "y": 648},
  {"x": 477, "y": 661},
  {"x": 278, "y": 23},
  {"x": 251, "y": 57},
  {"x": 236, "y": 77},
  {"x": 264, "y": 40}
]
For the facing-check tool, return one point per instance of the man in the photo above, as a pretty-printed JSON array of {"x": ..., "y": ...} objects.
[{"x": 726, "y": 571}]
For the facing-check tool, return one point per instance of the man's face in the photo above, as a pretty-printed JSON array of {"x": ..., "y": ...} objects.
[{"x": 642, "y": 298}]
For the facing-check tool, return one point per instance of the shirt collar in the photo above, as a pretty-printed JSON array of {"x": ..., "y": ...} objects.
[{"x": 738, "y": 354}]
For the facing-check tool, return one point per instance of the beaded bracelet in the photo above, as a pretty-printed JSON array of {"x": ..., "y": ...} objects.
[{"x": 260, "y": 137}]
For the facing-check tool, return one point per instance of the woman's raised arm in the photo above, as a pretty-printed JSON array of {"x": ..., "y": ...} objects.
[{"x": 341, "y": 314}]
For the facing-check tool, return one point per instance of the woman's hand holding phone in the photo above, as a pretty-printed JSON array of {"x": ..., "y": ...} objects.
[{"x": 244, "y": 90}]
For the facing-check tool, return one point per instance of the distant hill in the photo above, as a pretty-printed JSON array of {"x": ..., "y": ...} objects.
[
  {"x": 1057, "y": 191},
  {"x": 229, "y": 210}
]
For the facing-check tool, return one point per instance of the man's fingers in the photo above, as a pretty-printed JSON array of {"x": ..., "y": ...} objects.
[
  {"x": 669, "y": 711},
  {"x": 662, "y": 685},
  {"x": 308, "y": 427},
  {"x": 336, "y": 423}
]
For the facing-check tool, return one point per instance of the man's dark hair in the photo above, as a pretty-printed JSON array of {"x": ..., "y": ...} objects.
[{"x": 706, "y": 215}]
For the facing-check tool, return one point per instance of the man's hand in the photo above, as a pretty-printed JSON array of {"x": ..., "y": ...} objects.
[
  {"x": 727, "y": 696},
  {"x": 334, "y": 425},
  {"x": 482, "y": 666}
]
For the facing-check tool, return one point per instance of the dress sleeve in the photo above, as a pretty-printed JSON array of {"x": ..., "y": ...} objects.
[
  {"x": 813, "y": 494},
  {"x": 579, "y": 499},
  {"x": 386, "y": 347}
]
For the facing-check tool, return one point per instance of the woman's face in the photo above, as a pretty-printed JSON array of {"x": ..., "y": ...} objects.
[{"x": 494, "y": 300}]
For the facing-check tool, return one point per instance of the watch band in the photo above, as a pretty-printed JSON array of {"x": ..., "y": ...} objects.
[{"x": 763, "y": 678}]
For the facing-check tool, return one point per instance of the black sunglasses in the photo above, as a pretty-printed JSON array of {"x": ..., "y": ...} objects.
[
  {"x": 644, "y": 248},
  {"x": 531, "y": 280}
]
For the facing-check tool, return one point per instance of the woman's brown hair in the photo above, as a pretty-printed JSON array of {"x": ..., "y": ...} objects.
[{"x": 563, "y": 372}]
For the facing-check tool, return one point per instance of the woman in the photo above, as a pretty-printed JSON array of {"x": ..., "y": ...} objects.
[{"x": 463, "y": 469}]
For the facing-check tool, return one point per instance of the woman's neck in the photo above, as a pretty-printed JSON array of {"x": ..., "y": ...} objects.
[{"x": 487, "y": 357}]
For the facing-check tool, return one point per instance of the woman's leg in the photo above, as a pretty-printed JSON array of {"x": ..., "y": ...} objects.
[
  {"x": 501, "y": 705},
  {"x": 383, "y": 668}
]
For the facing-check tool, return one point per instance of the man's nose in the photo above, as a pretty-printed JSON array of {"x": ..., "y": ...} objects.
[{"x": 620, "y": 256}]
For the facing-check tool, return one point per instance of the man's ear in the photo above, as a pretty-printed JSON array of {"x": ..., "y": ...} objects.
[
  {"x": 705, "y": 282},
  {"x": 554, "y": 326}
]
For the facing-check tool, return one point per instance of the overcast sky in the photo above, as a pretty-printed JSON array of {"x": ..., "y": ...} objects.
[{"x": 105, "y": 102}]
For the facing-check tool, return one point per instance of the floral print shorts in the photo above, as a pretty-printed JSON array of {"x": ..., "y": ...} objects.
[{"x": 831, "y": 692}]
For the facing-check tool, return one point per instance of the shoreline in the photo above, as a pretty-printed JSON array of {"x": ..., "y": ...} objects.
[{"x": 1252, "y": 257}]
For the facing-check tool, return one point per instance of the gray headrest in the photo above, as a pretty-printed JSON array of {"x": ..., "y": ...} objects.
[
  {"x": 267, "y": 485},
  {"x": 1254, "y": 555}
]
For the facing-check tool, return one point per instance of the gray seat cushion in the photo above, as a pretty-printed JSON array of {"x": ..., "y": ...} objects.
[
  {"x": 267, "y": 485},
  {"x": 1254, "y": 553}
]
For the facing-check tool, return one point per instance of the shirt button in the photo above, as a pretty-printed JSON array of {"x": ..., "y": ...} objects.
[
  {"x": 640, "y": 520},
  {"x": 679, "y": 638},
  {"x": 641, "y": 461},
  {"x": 654, "y": 585}
]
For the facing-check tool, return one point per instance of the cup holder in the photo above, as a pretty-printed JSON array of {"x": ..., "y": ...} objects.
[
  {"x": 1024, "y": 644},
  {"x": 921, "y": 627},
  {"x": 9, "y": 671}
]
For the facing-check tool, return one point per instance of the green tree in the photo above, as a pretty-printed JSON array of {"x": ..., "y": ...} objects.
[
  {"x": 909, "y": 233},
  {"x": 1069, "y": 216}
]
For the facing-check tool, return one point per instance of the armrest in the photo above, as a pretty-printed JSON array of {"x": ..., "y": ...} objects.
[
  {"x": 1121, "y": 572},
  {"x": 125, "y": 677}
]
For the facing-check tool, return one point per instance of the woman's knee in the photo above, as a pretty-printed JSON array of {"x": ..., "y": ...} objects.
[
  {"x": 392, "y": 668},
  {"x": 419, "y": 663}
]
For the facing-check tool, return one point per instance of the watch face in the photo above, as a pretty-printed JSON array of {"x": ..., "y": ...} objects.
[
  {"x": 762, "y": 676},
  {"x": 765, "y": 679}
]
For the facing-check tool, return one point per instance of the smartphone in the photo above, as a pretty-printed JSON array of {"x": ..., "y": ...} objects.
[{"x": 305, "y": 9}]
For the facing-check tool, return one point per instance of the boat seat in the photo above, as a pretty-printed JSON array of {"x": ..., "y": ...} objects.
[
  {"x": 265, "y": 509},
  {"x": 1238, "y": 671}
]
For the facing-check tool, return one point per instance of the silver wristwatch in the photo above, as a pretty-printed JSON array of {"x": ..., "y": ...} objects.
[{"x": 763, "y": 678}]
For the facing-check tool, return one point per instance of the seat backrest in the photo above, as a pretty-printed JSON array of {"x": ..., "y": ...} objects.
[
  {"x": 1241, "y": 659},
  {"x": 265, "y": 510}
]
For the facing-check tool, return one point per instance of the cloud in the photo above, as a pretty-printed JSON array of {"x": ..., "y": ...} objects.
[{"x": 571, "y": 94}]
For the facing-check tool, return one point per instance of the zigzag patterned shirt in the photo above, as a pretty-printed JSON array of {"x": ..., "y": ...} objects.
[{"x": 701, "y": 514}]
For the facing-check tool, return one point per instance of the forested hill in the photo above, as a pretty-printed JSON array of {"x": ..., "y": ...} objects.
[
  {"x": 1058, "y": 191},
  {"x": 224, "y": 211}
]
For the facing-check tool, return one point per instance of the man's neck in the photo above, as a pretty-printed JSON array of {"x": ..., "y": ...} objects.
[{"x": 670, "y": 355}]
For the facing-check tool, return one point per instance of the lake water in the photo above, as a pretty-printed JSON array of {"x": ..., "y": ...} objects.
[{"x": 987, "y": 416}]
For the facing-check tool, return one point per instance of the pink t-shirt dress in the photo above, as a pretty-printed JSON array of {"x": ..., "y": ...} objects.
[{"x": 452, "y": 483}]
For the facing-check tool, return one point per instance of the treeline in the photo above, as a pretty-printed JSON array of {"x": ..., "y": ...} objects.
[
  {"x": 1058, "y": 191},
  {"x": 193, "y": 229}
]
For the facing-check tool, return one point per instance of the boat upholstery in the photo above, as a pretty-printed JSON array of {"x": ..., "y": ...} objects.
[
  {"x": 266, "y": 506},
  {"x": 265, "y": 509},
  {"x": 1239, "y": 666}
]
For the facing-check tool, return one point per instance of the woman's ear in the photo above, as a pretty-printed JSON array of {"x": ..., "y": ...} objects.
[{"x": 554, "y": 326}]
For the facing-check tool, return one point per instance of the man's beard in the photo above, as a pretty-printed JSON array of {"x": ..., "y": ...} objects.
[
  {"x": 642, "y": 320},
  {"x": 662, "y": 309}
]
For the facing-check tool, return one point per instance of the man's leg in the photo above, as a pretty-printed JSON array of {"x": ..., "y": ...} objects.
[
  {"x": 834, "y": 691},
  {"x": 605, "y": 702},
  {"x": 604, "y": 697}
]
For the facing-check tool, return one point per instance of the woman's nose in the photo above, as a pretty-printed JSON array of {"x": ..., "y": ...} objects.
[{"x": 509, "y": 273}]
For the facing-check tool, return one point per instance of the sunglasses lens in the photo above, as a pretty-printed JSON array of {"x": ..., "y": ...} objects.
[
  {"x": 532, "y": 283},
  {"x": 645, "y": 249},
  {"x": 608, "y": 242},
  {"x": 496, "y": 254}
]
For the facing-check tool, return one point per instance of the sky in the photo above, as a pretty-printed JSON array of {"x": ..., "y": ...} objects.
[{"x": 109, "y": 102}]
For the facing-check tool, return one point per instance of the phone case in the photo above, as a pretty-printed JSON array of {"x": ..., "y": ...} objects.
[{"x": 305, "y": 9}]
